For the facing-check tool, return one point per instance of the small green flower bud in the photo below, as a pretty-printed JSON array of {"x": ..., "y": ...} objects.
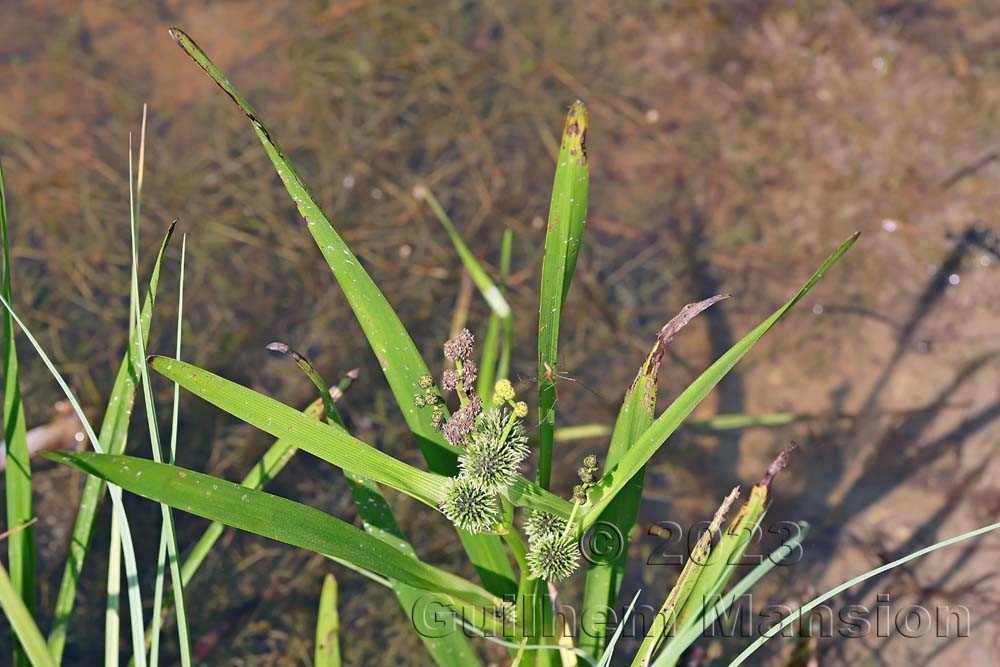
[
  {"x": 503, "y": 391},
  {"x": 520, "y": 409},
  {"x": 426, "y": 382},
  {"x": 419, "y": 401}
]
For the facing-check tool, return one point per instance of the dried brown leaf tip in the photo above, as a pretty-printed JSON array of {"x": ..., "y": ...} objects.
[
  {"x": 575, "y": 133},
  {"x": 779, "y": 464}
]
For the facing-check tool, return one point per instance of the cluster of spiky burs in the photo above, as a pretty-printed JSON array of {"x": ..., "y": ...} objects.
[
  {"x": 494, "y": 445},
  {"x": 493, "y": 439}
]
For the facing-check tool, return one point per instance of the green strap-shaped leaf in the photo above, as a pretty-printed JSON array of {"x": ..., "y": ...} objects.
[
  {"x": 114, "y": 431},
  {"x": 330, "y": 443},
  {"x": 635, "y": 458},
  {"x": 397, "y": 355},
  {"x": 328, "y": 626},
  {"x": 567, "y": 216},
  {"x": 21, "y": 544},
  {"x": 604, "y": 576},
  {"x": 23, "y": 624},
  {"x": 273, "y": 517}
]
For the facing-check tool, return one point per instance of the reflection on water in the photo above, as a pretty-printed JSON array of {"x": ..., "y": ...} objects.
[{"x": 733, "y": 146}]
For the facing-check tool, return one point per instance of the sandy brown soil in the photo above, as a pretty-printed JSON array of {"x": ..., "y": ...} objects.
[{"x": 733, "y": 146}]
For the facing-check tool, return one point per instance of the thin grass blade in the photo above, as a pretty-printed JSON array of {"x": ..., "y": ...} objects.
[
  {"x": 609, "y": 652},
  {"x": 167, "y": 526},
  {"x": 804, "y": 610},
  {"x": 128, "y": 550},
  {"x": 20, "y": 510},
  {"x": 22, "y": 622},
  {"x": 491, "y": 293},
  {"x": 112, "y": 601},
  {"x": 635, "y": 458},
  {"x": 114, "y": 431},
  {"x": 567, "y": 216}
]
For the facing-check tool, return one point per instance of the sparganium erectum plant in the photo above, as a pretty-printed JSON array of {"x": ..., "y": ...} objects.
[{"x": 481, "y": 470}]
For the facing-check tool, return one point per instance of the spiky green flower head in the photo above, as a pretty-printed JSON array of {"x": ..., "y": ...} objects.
[
  {"x": 469, "y": 506},
  {"x": 491, "y": 464},
  {"x": 553, "y": 557},
  {"x": 425, "y": 382},
  {"x": 543, "y": 524},
  {"x": 492, "y": 427}
]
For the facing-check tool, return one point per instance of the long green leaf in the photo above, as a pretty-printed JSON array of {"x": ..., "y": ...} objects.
[
  {"x": 604, "y": 576},
  {"x": 273, "y": 517},
  {"x": 114, "y": 431},
  {"x": 263, "y": 471},
  {"x": 803, "y": 611},
  {"x": 567, "y": 216},
  {"x": 23, "y": 623},
  {"x": 328, "y": 626},
  {"x": 633, "y": 461},
  {"x": 112, "y": 602},
  {"x": 21, "y": 545},
  {"x": 331, "y": 443},
  {"x": 267, "y": 468},
  {"x": 398, "y": 356},
  {"x": 167, "y": 527}
]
